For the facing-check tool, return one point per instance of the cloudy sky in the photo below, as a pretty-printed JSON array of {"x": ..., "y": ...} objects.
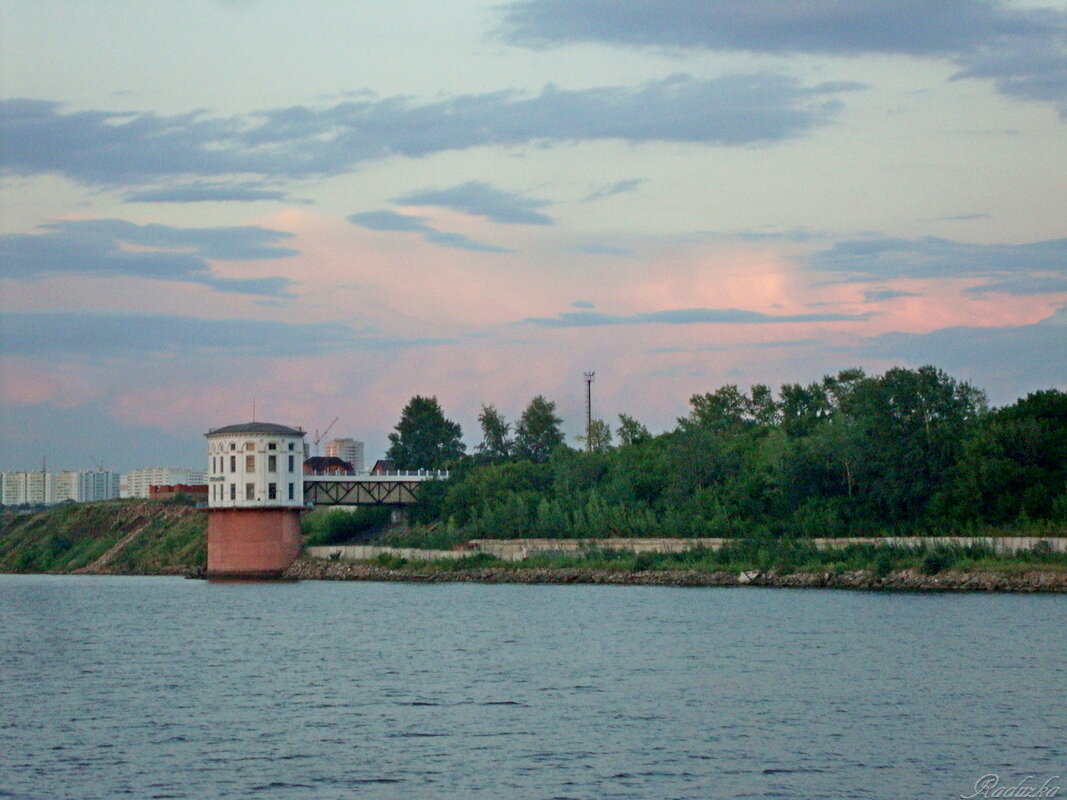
[{"x": 330, "y": 207}]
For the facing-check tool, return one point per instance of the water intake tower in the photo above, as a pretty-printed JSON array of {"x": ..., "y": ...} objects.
[{"x": 255, "y": 496}]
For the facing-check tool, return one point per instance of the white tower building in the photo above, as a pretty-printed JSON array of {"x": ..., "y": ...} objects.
[
  {"x": 255, "y": 495},
  {"x": 255, "y": 465}
]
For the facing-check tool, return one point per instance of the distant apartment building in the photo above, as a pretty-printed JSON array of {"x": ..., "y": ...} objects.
[
  {"x": 47, "y": 488},
  {"x": 100, "y": 485},
  {"x": 13, "y": 492},
  {"x": 66, "y": 486},
  {"x": 136, "y": 482},
  {"x": 86, "y": 486},
  {"x": 347, "y": 450}
]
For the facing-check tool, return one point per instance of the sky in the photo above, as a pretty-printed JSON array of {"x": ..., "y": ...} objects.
[{"x": 327, "y": 208}]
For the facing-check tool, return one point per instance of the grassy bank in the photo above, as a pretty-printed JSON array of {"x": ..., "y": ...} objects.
[
  {"x": 116, "y": 536},
  {"x": 140, "y": 537},
  {"x": 781, "y": 556}
]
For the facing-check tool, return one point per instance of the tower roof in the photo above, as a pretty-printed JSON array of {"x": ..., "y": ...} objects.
[{"x": 257, "y": 427}]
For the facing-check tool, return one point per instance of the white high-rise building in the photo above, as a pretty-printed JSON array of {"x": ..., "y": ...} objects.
[
  {"x": 136, "y": 482},
  {"x": 68, "y": 486},
  {"x": 13, "y": 492},
  {"x": 100, "y": 485},
  {"x": 347, "y": 450},
  {"x": 40, "y": 488},
  {"x": 45, "y": 488}
]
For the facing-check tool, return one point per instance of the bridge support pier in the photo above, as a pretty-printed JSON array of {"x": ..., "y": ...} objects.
[{"x": 252, "y": 543}]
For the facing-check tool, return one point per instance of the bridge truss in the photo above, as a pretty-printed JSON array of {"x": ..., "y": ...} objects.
[{"x": 397, "y": 489}]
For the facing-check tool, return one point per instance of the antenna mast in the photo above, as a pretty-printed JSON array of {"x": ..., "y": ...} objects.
[{"x": 589, "y": 410}]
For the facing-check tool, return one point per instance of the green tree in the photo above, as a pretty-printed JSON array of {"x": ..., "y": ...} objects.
[
  {"x": 496, "y": 442},
  {"x": 912, "y": 424},
  {"x": 599, "y": 437},
  {"x": 537, "y": 433},
  {"x": 423, "y": 438},
  {"x": 760, "y": 406},
  {"x": 630, "y": 431},
  {"x": 723, "y": 409},
  {"x": 1013, "y": 464},
  {"x": 803, "y": 408}
]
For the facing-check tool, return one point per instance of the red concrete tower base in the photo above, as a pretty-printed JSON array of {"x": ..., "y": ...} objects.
[{"x": 252, "y": 543}]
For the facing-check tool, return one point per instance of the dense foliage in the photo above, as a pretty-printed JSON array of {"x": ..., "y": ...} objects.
[
  {"x": 906, "y": 451},
  {"x": 423, "y": 438},
  {"x": 125, "y": 536}
]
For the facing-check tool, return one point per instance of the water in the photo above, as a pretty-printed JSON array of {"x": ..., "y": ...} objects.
[{"x": 167, "y": 688}]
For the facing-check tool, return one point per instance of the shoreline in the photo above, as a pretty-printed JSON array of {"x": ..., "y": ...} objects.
[
  {"x": 1044, "y": 581},
  {"x": 304, "y": 569}
]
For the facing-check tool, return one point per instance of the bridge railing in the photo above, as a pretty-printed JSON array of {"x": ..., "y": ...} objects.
[{"x": 410, "y": 473}]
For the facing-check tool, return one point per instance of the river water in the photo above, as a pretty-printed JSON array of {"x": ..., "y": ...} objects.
[{"x": 170, "y": 688}]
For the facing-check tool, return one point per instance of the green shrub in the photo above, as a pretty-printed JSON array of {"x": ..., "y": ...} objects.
[
  {"x": 933, "y": 563},
  {"x": 390, "y": 561}
]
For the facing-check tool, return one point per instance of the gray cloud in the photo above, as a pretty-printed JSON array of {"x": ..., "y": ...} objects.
[
  {"x": 103, "y": 335},
  {"x": 715, "y": 348},
  {"x": 963, "y": 217},
  {"x": 1023, "y": 285},
  {"x": 621, "y": 187},
  {"x": 110, "y": 148},
  {"x": 1021, "y": 50},
  {"x": 1004, "y": 265},
  {"x": 1024, "y": 69},
  {"x": 1008, "y": 361},
  {"x": 682, "y": 316},
  {"x": 405, "y": 223},
  {"x": 482, "y": 200},
  {"x": 879, "y": 294},
  {"x": 828, "y": 27},
  {"x": 94, "y": 248},
  {"x": 605, "y": 250},
  {"x": 206, "y": 191},
  {"x": 800, "y": 235}
]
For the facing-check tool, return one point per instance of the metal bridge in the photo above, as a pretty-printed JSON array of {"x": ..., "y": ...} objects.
[{"x": 367, "y": 489}]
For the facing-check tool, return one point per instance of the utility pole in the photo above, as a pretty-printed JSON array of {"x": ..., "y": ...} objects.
[{"x": 589, "y": 411}]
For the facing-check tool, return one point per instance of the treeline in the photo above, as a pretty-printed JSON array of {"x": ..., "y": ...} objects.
[{"x": 903, "y": 452}]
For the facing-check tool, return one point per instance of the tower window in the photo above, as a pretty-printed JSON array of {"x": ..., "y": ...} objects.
[
  {"x": 272, "y": 446},
  {"x": 250, "y": 491},
  {"x": 233, "y": 463},
  {"x": 291, "y": 465},
  {"x": 250, "y": 463},
  {"x": 292, "y": 491},
  {"x": 272, "y": 491},
  {"x": 272, "y": 463},
  {"x": 233, "y": 491}
]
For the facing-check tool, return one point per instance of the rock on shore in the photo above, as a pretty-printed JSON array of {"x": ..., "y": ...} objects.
[{"x": 904, "y": 580}]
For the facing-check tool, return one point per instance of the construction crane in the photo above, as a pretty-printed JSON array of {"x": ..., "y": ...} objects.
[
  {"x": 99, "y": 464},
  {"x": 319, "y": 437}
]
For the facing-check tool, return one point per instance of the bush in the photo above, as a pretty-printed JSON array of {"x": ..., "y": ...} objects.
[
  {"x": 883, "y": 564},
  {"x": 390, "y": 561},
  {"x": 933, "y": 563},
  {"x": 338, "y": 526}
]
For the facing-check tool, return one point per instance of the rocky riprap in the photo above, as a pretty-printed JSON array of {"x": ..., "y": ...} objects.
[{"x": 905, "y": 580}]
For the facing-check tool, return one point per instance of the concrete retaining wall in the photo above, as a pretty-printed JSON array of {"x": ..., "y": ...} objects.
[
  {"x": 359, "y": 552},
  {"x": 518, "y": 549}
]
